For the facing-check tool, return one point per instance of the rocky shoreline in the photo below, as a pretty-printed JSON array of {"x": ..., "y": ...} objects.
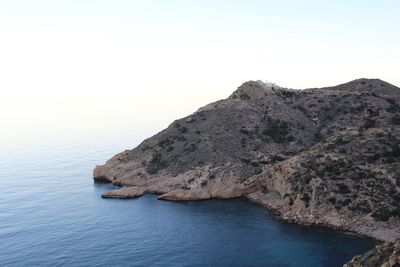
[
  {"x": 388, "y": 232},
  {"x": 385, "y": 255}
]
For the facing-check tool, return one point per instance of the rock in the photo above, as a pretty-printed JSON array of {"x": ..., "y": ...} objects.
[
  {"x": 384, "y": 255},
  {"x": 126, "y": 192}
]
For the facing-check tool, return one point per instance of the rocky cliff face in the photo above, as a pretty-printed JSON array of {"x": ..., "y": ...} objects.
[
  {"x": 384, "y": 255},
  {"x": 328, "y": 156}
]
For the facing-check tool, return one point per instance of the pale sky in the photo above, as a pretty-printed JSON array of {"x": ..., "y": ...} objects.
[{"x": 190, "y": 50}]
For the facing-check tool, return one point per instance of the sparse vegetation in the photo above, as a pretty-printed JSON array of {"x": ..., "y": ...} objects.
[
  {"x": 306, "y": 179},
  {"x": 343, "y": 189},
  {"x": 385, "y": 213},
  {"x": 306, "y": 199},
  {"x": 395, "y": 119},
  {"x": 190, "y": 148},
  {"x": 244, "y": 96},
  {"x": 156, "y": 164},
  {"x": 318, "y": 135},
  {"x": 211, "y": 176},
  {"x": 165, "y": 143},
  {"x": 181, "y": 129},
  {"x": 277, "y": 130},
  {"x": 369, "y": 123},
  {"x": 394, "y": 107}
]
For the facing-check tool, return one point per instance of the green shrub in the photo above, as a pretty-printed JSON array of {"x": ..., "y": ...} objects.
[
  {"x": 290, "y": 138},
  {"x": 346, "y": 202},
  {"x": 165, "y": 143},
  {"x": 190, "y": 148},
  {"x": 244, "y": 96},
  {"x": 247, "y": 161},
  {"x": 181, "y": 129},
  {"x": 318, "y": 135},
  {"x": 332, "y": 200},
  {"x": 306, "y": 179},
  {"x": 369, "y": 123},
  {"x": 386, "y": 213},
  {"x": 257, "y": 170},
  {"x": 343, "y": 189},
  {"x": 393, "y": 108},
  {"x": 396, "y": 197},
  {"x": 204, "y": 183},
  {"x": 306, "y": 198},
  {"x": 277, "y": 130},
  {"x": 254, "y": 164},
  {"x": 156, "y": 164},
  {"x": 287, "y": 94},
  {"x": 243, "y": 142},
  {"x": 245, "y": 131},
  {"x": 211, "y": 176},
  {"x": 396, "y": 212},
  {"x": 395, "y": 120},
  {"x": 277, "y": 158},
  {"x": 331, "y": 166},
  {"x": 301, "y": 108},
  {"x": 382, "y": 215}
]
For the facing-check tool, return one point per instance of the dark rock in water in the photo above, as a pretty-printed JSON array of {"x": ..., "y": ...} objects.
[{"x": 328, "y": 156}]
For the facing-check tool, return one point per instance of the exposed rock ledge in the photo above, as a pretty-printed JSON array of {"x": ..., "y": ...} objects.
[
  {"x": 125, "y": 192},
  {"x": 328, "y": 156}
]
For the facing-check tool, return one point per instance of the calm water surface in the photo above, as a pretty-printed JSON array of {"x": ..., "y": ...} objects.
[{"x": 51, "y": 212}]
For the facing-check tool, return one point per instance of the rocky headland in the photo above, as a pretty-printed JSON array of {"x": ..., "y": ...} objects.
[{"x": 327, "y": 156}]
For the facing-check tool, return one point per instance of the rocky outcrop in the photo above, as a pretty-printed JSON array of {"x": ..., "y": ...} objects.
[
  {"x": 125, "y": 192},
  {"x": 383, "y": 255},
  {"x": 328, "y": 156}
]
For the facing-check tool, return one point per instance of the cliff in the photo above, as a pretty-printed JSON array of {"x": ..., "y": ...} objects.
[{"x": 385, "y": 255}]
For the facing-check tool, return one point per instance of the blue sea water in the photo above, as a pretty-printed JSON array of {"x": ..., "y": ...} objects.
[{"x": 51, "y": 212}]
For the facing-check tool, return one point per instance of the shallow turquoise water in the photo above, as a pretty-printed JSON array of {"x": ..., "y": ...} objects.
[{"x": 51, "y": 213}]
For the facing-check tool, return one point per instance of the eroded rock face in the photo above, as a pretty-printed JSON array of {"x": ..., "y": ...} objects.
[
  {"x": 328, "y": 156},
  {"x": 383, "y": 255}
]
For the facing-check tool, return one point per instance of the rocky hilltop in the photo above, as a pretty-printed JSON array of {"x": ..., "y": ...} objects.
[{"x": 327, "y": 156}]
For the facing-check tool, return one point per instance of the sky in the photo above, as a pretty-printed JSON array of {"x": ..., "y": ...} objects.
[{"x": 178, "y": 50}]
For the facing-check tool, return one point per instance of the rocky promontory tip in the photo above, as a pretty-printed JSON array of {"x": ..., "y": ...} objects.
[
  {"x": 125, "y": 192},
  {"x": 328, "y": 156}
]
